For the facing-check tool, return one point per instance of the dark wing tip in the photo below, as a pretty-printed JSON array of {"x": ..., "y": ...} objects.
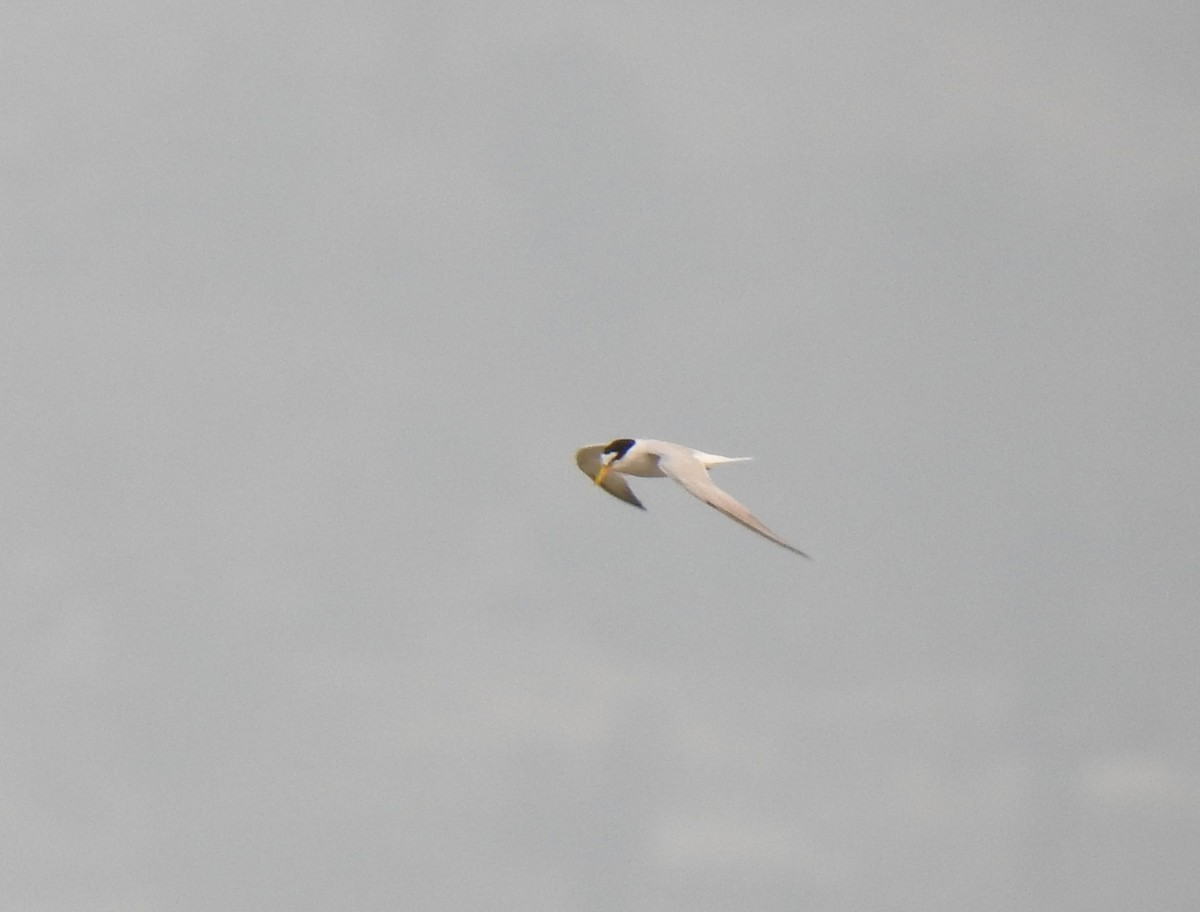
[{"x": 626, "y": 494}]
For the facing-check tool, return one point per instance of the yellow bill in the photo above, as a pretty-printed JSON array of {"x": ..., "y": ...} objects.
[{"x": 602, "y": 474}]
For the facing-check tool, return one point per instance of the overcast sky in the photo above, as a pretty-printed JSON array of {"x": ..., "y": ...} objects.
[{"x": 306, "y": 308}]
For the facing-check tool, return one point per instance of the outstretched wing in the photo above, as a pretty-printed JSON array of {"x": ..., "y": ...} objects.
[
  {"x": 694, "y": 478},
  {"x": 590, "y": 458}
]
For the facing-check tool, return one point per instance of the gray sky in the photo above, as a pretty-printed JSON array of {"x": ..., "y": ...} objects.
[{"x": 306, "y": 308}]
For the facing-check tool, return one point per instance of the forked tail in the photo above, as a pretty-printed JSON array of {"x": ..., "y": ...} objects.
[{"x": 711, "y": 460}]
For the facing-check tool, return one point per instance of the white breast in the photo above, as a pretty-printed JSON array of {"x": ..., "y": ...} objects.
[{"x": 639, "y": 461}]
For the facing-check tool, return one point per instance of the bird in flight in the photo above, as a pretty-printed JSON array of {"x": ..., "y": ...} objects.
[{"x": 607, "y": 464}]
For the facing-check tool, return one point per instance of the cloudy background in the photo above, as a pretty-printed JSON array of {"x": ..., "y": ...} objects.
[{"x": 305, "y": 309}]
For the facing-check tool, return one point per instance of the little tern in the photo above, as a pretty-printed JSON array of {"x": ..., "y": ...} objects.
[{"x": 607, "y": 464}]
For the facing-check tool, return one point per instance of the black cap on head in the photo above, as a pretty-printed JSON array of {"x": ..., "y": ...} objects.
[{"x": 620, "y": 447}]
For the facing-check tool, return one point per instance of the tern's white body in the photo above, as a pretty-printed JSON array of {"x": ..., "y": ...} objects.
[{"x": 605, "y": 464}]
